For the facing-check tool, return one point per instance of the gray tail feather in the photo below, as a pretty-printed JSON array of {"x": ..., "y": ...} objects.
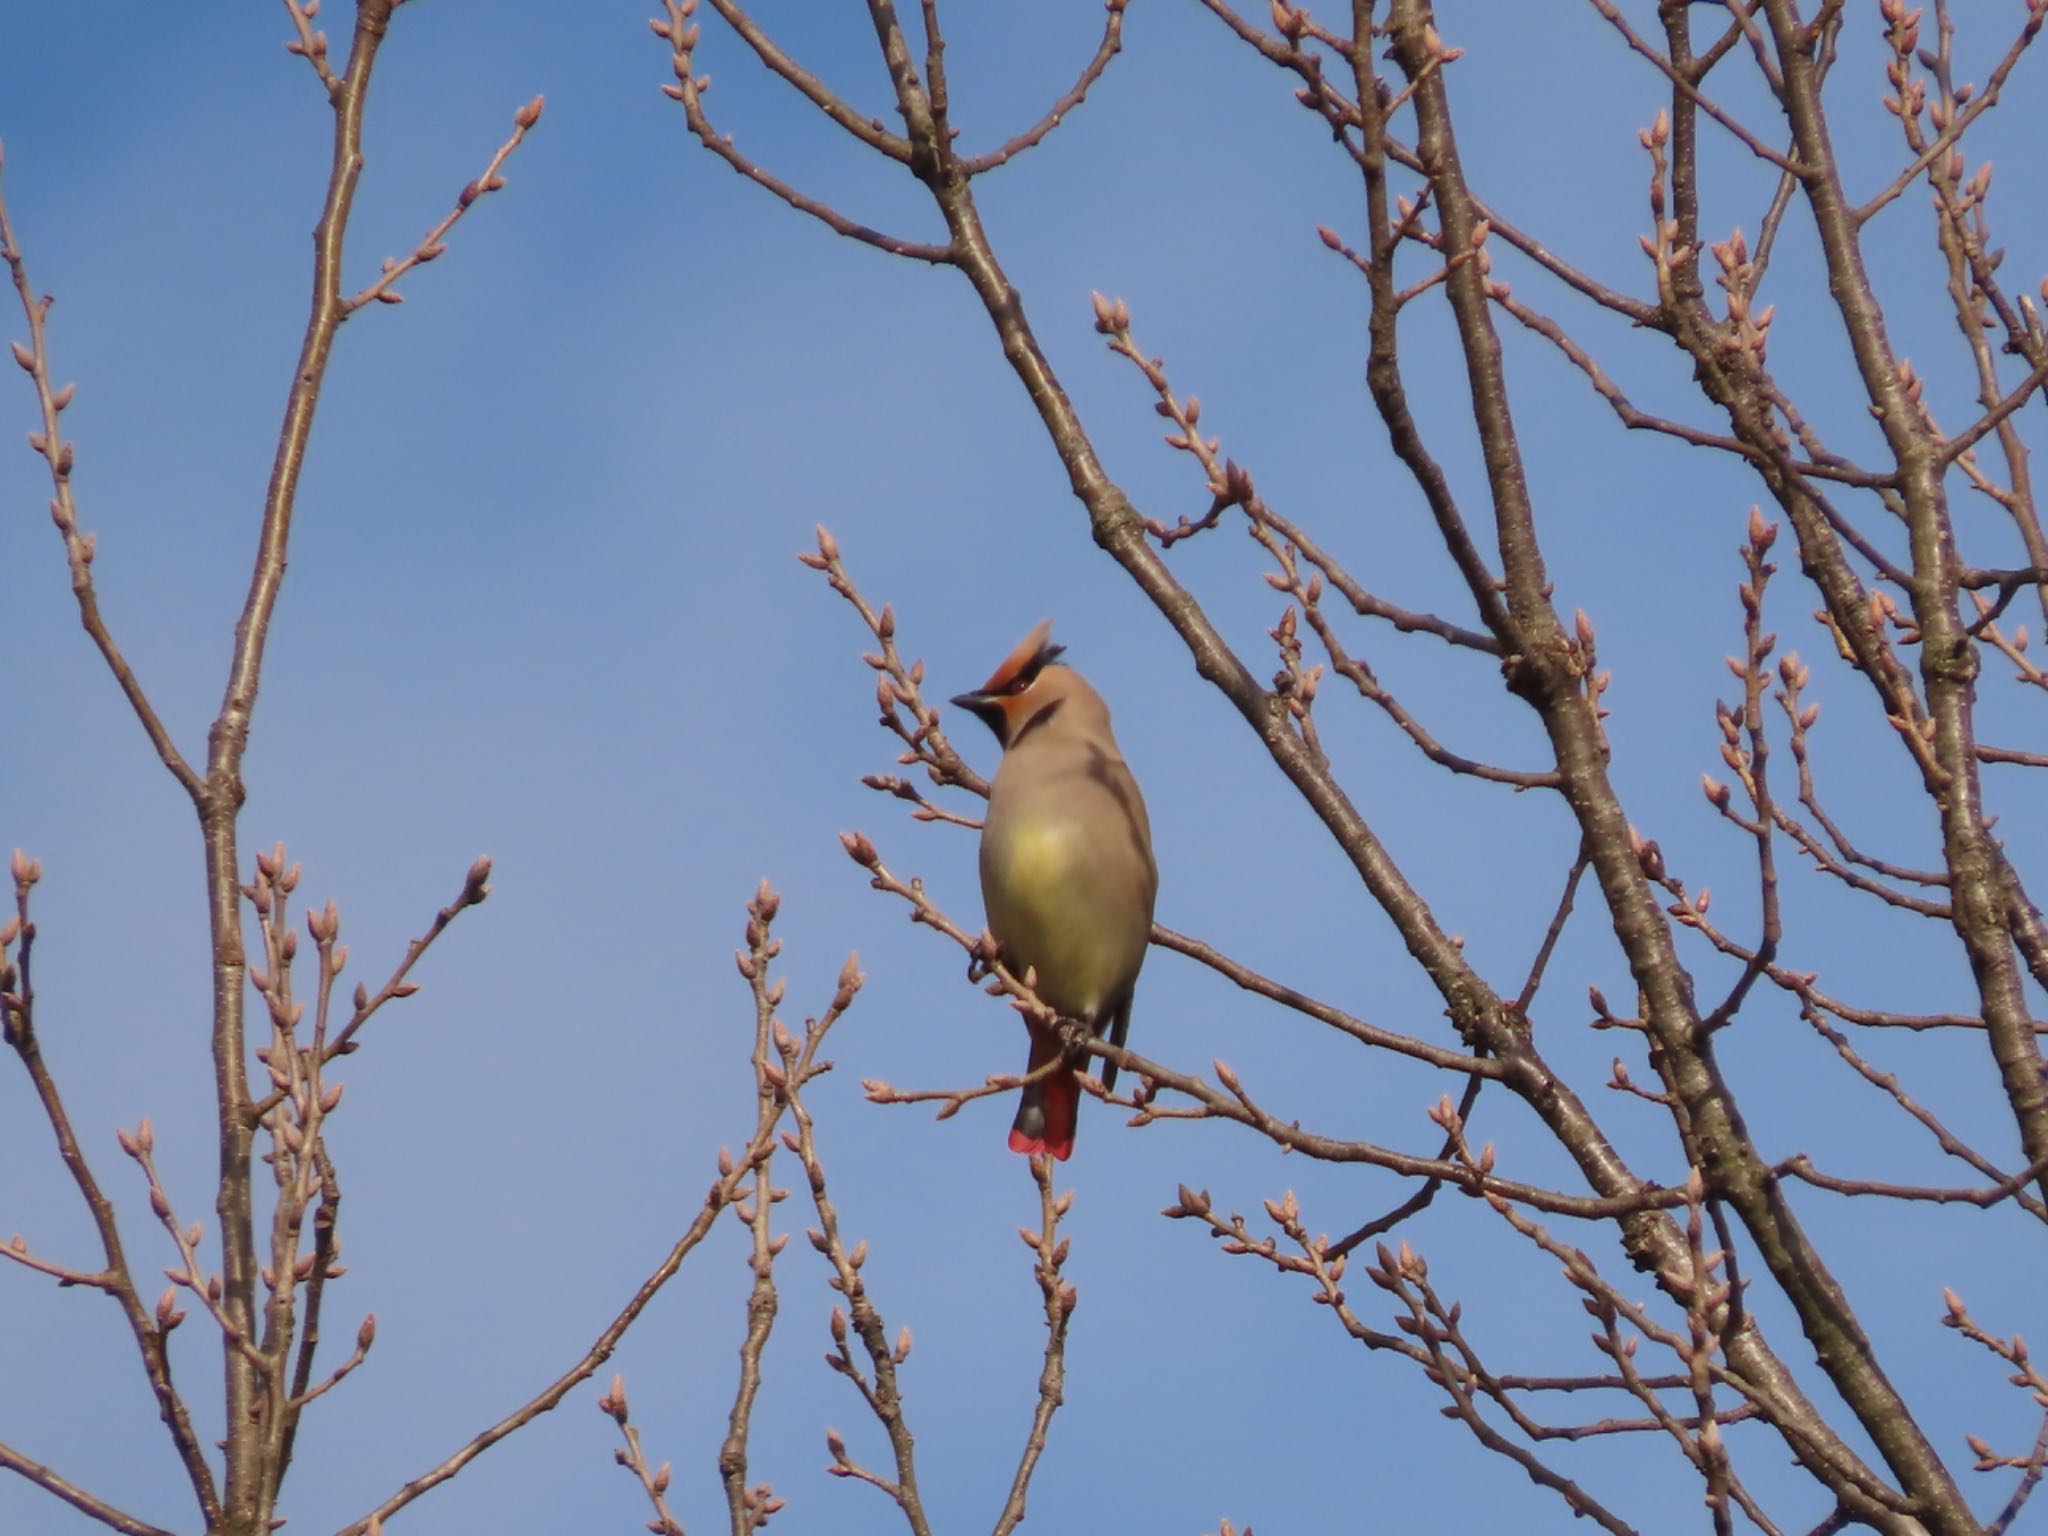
[
  {"x": 1119, "y": 1031},
  {"x": 1030, "y": 1120}
]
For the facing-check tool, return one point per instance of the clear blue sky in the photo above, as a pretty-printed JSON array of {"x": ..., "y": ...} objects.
[{"x": 543, "y": 602}]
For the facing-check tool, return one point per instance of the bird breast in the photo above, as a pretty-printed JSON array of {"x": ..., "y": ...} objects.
[{"x": 1065, "y": 899}]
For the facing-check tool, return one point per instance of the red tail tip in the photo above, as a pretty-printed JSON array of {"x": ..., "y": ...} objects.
[{"x": 1034, "y": 1146}]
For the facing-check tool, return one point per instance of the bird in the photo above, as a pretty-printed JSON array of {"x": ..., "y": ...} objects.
[{"x": 1067, "y": 875}]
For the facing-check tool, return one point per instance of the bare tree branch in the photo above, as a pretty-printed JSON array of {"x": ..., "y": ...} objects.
[
  {"x": 734, "y": 1174},
  {"x": 79, "y": 548},
  {"x": 150, "y": 1332}
]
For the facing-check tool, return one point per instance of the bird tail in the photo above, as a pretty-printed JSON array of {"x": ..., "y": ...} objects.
[
  {"x": 1119, "y": 1031},
  {"x": 1050, "y": 1107}
]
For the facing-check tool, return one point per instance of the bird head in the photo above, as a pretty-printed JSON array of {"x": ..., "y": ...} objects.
[{"x": 1022, "y": 687}]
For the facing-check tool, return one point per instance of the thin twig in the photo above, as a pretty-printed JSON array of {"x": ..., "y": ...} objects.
[
  {"x": 1799, "y": 1167},
  {"x": 747, "y": 1506},
  {"x": 681, "y": 33},
  {"x": 151, "y": 1333},
  {"x": 311, "y": 44},
  {"x": 733, "y": 1176},
  {"x": 1959, "y": 125},
  {"x": 867, "y": 130},
  {"x": 89, "y": 1505},
  {"x": 653, "y": 1481},
  {"x": 1111, "y": 44},
  {"x": 1691, "y": 92},
  {"x": 1060, "y": 1296},
  {"x": 432, "y": 243},
  {"x": 80, "y": 548}
]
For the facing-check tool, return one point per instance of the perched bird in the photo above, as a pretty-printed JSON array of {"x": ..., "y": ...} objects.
[{"x": 1066, "y": 867}]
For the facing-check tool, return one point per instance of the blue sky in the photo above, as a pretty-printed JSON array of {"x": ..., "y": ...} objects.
[{"x": 543, "y": 602}]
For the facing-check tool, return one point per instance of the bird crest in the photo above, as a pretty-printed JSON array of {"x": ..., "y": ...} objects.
[{"x": 1021, "y": 667}]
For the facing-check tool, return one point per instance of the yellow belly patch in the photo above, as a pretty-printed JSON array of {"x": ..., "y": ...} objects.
[{"x": 1048, "y": 914}]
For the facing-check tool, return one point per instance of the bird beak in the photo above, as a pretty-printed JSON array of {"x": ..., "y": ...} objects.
[{"x": 985, "y": 707}]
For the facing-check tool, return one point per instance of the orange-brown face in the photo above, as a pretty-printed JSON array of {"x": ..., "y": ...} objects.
[{"x": 1001, "y": 702}]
